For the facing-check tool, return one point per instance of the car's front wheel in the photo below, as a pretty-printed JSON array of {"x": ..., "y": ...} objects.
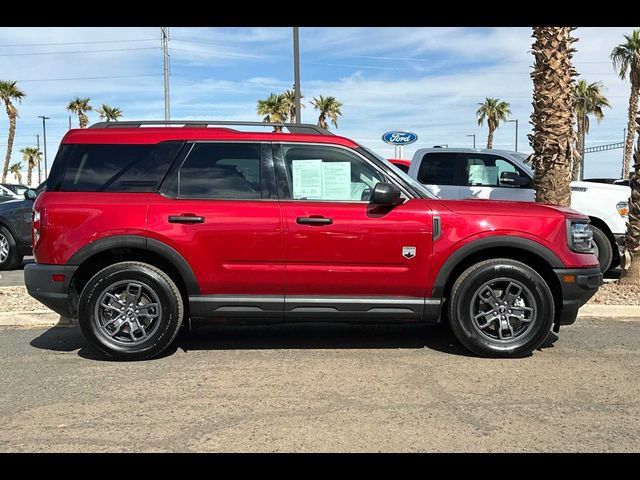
[
  {"x": 130, "y": 311},
  {"x": 501, "y": 308},
  {"x": 10, "y": 258}
]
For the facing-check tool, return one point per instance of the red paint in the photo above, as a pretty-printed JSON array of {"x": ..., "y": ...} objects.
[{"x": 400, "y": 161}]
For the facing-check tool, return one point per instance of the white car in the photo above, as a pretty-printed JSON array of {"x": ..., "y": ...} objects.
[{"x": 458, "y": 173}]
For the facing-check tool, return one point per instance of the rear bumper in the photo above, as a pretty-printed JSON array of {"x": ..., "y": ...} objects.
[
  {"x": 58, "y": 296},
  {"x": 577, "y": 292}
]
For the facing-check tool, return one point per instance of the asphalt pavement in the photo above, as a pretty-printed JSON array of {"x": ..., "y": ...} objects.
[{"x": 322, "y": 388}]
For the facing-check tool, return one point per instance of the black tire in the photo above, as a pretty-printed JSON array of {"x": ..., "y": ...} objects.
[
  {"x": 605, "y": 249},
  {"x": 463, "y": 300},
  {"x": 13, "y": 259},
  {"x": 161, "y": 334}
]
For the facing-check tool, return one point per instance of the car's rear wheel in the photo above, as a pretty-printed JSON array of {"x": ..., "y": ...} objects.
[
  {"x": 130, "y": 311},
  {"x": 604, "y": 249},
  {"x": 501, "y": 308},
  {"x": 9, "y": 257}
]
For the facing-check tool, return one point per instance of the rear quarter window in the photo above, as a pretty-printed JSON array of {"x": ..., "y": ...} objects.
[{"x": 111, "y": 167}]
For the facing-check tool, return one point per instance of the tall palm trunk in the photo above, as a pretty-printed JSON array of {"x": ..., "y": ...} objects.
[
  {"x": 552, "y": 118},
  {"x": 322, "y": 121},
  {"x": 29, "y": 170},
  {"x": 12, "y": 132},
  {"x": 630, "y": 274},
  {"x": 83, "y": 120},
  {"x": 633, "y": 111},
  {"x": 490, "y": 138},
  {"x": 577, "y": 161}
]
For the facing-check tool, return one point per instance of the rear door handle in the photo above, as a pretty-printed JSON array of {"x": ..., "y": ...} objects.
[
  {"x": 314, "y": 221},
  {"x": 188, "y": 219}
]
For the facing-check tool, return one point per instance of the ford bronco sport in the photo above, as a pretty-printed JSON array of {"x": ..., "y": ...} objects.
[{"x": 144, "y": 224}]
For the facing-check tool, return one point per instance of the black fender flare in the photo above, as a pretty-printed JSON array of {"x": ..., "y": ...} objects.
[
  {"x": 491, "y": 242},
  {"x": 142, "y": 243}
]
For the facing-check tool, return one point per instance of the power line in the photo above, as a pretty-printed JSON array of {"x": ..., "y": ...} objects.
[
  {"x": 87, "y": 78},
  {"x": 79, "y": 43},
  {"x": 215, "y": 54},
  {"x": 77, "y": 51}
]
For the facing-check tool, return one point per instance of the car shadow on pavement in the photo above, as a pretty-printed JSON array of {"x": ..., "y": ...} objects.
[{"x": 283, "y": 336}]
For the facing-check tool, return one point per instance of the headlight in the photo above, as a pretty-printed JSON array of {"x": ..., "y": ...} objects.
[
  {"x": 623, "y": 209},
  {"x": 580, "y": 236}
]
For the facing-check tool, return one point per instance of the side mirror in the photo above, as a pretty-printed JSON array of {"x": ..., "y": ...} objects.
[
  {"x": 512, "y": 179},
  {"x": 30, "y": 194},
  {"x": 386, "y": 194}
]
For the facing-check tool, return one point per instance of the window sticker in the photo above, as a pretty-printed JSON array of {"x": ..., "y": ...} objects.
[
  {"x": 336, "y": 180},
  {"x": 307, "y": 179}
]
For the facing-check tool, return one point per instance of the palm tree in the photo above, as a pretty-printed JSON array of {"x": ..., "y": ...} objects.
[
  {"x": 32, "y": 156},
  {"x": 329, "y": 108},
  {"x": 552, "y": 118},
  {"x": 109, "y": 113},
  {"x": 587, "y": 99},
  {"x": 630, "y": 274},
  {"x": 15, "y": 169},
  {"x": 289, "y": 99},
  {"x": 626, "y": 57},
  {"x": 493, "y": 111},
  {"x": 273, "y": 109},
  {"x": 80, "y": 106},
  {"x": 9, "y": 92}
]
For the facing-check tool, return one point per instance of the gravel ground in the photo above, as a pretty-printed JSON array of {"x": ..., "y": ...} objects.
[
  {"x": 17, "y": 298},
  {"x": 613, "y": 294}
]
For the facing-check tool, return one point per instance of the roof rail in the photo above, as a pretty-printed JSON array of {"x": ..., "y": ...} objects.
[{"x": 304, "y": 128}]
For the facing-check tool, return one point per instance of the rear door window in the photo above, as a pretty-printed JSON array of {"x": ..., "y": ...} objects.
[
  {"x": 440, "y": 168},
  {"x": 485, "y": 170},
  {"x": 224, "y": 171}
]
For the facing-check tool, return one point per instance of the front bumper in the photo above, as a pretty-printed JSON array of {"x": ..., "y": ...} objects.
[
  {"x": 578, "y": 286},
  {"x": 58, "y": 296}
]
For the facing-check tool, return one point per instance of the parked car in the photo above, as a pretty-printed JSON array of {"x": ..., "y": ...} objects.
[
  {"x": 458, "y": 173},
  {"x": 15, "y": 230},
  {"x": 7, "y": 194},
  {"x": 139, "y": 229},
  {"x": 16, "y": 188}
]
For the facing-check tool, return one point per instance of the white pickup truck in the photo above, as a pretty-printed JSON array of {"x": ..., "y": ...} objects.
[{"x": 457, "y": 173}]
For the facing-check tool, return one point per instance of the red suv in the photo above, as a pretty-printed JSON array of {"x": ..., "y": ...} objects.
[{"x": 144, "y": 224}]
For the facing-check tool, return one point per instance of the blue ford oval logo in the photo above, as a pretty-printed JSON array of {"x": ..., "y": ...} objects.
[{"x": 399, "y": 138}]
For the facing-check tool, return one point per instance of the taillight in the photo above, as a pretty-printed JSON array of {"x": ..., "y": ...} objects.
[{"x": 37, "y": 225}]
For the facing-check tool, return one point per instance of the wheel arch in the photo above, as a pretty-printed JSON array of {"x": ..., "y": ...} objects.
[
  {"x": 601, "y": 224},
  {"x": 98, "y": 254},
  {"x": 533, "y": 254}
]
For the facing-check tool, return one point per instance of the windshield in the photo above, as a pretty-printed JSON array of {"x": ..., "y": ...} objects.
[{"x": 414, "y": 184}]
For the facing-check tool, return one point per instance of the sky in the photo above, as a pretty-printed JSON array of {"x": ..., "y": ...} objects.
[{"x": 425, "y": 80}]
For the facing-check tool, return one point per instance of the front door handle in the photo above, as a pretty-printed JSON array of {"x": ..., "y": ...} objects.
[
  {"x": 188, "y": 219},
  {"x": 314, "y": 221}
]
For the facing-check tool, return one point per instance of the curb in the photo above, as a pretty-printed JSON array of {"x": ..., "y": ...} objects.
[
  {"x": 47, "y": 318},
  {"x": 618, "y": 312}
]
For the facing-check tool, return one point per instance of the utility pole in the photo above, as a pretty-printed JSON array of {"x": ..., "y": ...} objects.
[
  {"x": 296, "y": 73},
  {"x": 165, "y": 53},
  {"x": 474, "y": 139},
  {"x": 69, "y": 122},
  {"x": 516, "y": 122},
  {"x": 44, "y": 139},
  {"x": 39, "y": 173}
]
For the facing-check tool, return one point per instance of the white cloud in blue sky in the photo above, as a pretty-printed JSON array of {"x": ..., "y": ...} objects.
[{"x": 427, "y": 80}]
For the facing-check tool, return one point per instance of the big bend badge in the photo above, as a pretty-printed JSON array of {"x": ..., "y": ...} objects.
[{"x": 408, "y": 252}]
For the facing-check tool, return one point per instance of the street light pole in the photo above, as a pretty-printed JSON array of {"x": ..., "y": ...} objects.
[
  {"x": 39, "y": 173},
  {"x": 516, "y": 122},
  {"x": 165, "y": 54},
  {"x": 474, "y": 139},
  {"x": 296, "y": 73},
  {"x": 44, "y": 139}
]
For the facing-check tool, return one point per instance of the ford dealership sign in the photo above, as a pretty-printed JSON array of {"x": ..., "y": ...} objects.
[{"x": 399, "y": 138}]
